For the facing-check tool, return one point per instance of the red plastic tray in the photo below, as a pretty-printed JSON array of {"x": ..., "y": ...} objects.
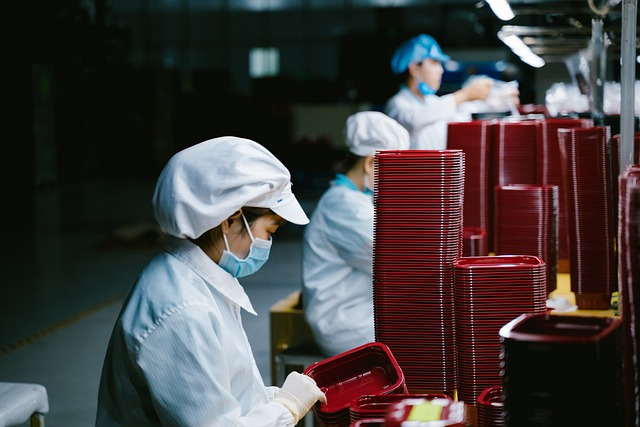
[{"x": 369, "y": 369}]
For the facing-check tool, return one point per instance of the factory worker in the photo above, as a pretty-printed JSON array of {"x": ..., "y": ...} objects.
[
  {"x": 178, "y": 354},
  {"x": 338, "y": 242},
  {"x": 416, "y": 106}
]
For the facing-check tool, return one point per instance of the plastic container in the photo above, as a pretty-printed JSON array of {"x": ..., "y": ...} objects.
[
  {"x": 369, "y": 369},
  {"x": 562, "y": 370},
  {"x": 369, "y": 406},
  {"x": 491, "y": 408},
  {"x": 438, "y": 412}
]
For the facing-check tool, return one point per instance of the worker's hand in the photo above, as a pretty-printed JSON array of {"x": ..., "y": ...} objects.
[
  {"x": 298, "y": 394},
  {"x": 515, "y": 95},
  {"x": 479, "y": 89}
]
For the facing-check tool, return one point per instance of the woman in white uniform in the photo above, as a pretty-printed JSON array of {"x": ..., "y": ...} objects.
[
  {"x": 178, "y": 354},
  {"x": 338, "y": 242},
  {"x": 416, "y": 106}
]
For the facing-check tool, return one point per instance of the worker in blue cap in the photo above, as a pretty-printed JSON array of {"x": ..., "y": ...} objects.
[{"x": 416, "y": 106}]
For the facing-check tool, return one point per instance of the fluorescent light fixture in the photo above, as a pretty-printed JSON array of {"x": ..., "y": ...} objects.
[
  {"x": 501, "y": 9},
  {"x": 519, "y": 48}
]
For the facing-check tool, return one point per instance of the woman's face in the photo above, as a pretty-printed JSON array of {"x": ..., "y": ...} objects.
[
  {"x": 429, "y": 71},
  {"x": 263, "y": 228}
]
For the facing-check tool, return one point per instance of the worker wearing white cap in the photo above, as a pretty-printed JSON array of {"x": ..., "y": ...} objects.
[
  {"x": 338, "y": 242},
  {"x": 416, "y": 106},
  {"x": 178, "y": 354}
]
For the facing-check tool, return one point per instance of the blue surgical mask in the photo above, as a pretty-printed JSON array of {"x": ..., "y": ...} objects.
[
  {"x": 425, "y": 89},
  {"x": 258, "y": 255},
  {"x": 343, "y": 181}
]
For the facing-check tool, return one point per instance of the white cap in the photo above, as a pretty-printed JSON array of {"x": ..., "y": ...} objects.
[
  {"x": 370, "y": 131},
  {"x": 205, "y": 184}
]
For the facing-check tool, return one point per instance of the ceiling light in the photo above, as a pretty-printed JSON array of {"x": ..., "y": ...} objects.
[
  {"x": 502, "y": 9},
  {"x": 519, "y": 48}
]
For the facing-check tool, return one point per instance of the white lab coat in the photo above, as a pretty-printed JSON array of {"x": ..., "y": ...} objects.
[
  {"x": 338, "y": 270},
  {"x": 426, "y": 119},
  {"x": 179, "y": 355}
]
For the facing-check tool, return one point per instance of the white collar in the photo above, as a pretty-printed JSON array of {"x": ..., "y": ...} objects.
[{"x": 191, "y": 255}]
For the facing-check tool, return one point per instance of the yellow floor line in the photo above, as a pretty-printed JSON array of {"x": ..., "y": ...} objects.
[{"x": 56, "y": 327}]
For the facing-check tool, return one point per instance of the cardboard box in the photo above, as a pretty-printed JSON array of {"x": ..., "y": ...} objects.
[{"x": 288, "y": 327}]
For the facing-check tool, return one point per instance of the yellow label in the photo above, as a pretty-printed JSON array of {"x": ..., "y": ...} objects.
[{"x": 425, "y": 412}]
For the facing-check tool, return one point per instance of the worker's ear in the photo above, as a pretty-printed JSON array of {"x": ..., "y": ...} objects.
[
  {"x": 369, "y": 165},
  {"x": 227, "y": 223},
  {"x": 413, "y": 69}
]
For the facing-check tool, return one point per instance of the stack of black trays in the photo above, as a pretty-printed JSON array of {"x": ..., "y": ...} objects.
[{"x": 562, "y": 371}]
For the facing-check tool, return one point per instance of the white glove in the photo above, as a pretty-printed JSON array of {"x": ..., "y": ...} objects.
[{"x": 298, "y": 394}]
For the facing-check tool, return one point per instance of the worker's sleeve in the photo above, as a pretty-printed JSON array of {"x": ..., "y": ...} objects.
[
  {"x": 184, "y": 364},
  {"x": 414, "y": 114}
]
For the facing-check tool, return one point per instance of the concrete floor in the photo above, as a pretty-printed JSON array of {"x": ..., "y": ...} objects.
[{"x": 65, "y": 280}]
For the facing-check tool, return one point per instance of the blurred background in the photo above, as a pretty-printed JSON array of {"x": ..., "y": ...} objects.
[
  {"x": 96, "y": 95},
  {"x": 102, "y": 89}
]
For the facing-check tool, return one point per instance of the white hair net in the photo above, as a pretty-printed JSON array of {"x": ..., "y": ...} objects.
[
  {"x": 369, "y": 131},
  {"x": 203, "y": 185}
]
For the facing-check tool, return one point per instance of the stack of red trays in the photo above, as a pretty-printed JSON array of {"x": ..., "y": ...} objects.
[
  {"x": 490, "y": 292},
  {"x": 417, "y": 234},
  {"x": 636, "y": 146},
  {"x": 514, "y": 152},
  {"x": 366, "y": 407},
  {"x": 590, "y": 160},
  {"x": 369, "y": 369},
  {"x": 474, "y": 139},
  {"x": 533, "y": 109},
  {"x": 526, "y": 223},
  {"x": 474, "y": 241},
  {"x": 491, "y": 407},
  {"x": 549, "y": 168},
  {"x": 629, "y": 275}
]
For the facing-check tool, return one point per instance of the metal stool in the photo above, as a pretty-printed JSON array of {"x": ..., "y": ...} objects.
[
  {"x": 300, "y": 355},
  {"x": 21, "y": 402}
]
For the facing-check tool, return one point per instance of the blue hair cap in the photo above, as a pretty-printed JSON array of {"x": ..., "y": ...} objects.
[{"x": 416, "y": 49}]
